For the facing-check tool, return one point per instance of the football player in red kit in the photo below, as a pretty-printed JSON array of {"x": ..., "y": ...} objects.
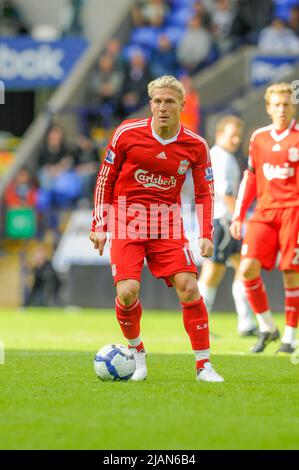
[
  {"x": 272, "y": 178},
  {"x": 137, "y": 200}
]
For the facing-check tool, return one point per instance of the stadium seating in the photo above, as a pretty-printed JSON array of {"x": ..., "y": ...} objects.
[
  {"x": 179, "y": 17},
  {"x": 144, "y": 37}
]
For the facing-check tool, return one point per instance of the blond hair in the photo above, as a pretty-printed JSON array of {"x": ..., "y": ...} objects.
[
  {"x": 166, "y": 81},
  {"x": 229, "y": 119},
  {"x": 281, "y": 87}
]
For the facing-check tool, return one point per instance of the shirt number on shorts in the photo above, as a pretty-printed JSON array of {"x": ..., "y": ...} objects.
[{"x": 296, "y": 257}]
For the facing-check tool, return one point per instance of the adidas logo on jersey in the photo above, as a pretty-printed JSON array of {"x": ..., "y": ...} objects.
[
  {"x": 276, "y": 148},
  {"x": 161, "y": 155}
]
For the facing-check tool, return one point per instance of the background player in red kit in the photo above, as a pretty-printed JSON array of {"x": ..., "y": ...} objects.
[
  {"x": 144, "y": 168},
  {"x": 273, "y": 178}
]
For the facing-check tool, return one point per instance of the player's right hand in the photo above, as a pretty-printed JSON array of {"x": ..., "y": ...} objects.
[
  {"x": 236, "y": 229},
  {"x": 98, "y": 239}
]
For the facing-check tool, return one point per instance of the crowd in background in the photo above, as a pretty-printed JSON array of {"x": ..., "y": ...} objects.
[
  {"x": 181, "y": 37},
  {"x": 166, "y": 37},
  {"x": 178, "y": 37}
]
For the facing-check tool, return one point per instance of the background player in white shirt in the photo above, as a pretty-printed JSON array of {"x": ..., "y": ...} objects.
[{"x": 229, "y": 132}]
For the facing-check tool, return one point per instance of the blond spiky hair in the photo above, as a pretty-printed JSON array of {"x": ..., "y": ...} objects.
[
  {"x": 282, "y": 87},
  {"x": 166, "y": 81}
]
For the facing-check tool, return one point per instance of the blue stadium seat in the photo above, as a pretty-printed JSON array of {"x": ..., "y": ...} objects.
[
  {"x": 175, "y": 33},
  {"x": 282, "y": 8},
  {"x": 181, "y": 3},
  {"x": 145, "y": 37},
  {"x": 130, "y": 49},
  {"x": 179, "y": 17}
]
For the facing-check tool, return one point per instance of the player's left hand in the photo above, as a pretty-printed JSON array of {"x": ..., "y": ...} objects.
[{"x": 206, "y": 247}]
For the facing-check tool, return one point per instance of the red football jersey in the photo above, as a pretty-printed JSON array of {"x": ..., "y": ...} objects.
[
  {"x": 141, "y": 168},
  {"x": 273, "y": 170}
]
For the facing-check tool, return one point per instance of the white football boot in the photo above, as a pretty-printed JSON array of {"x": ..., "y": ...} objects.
[
  {"x": 208, "y": 374},
  {"x": 141, "y": 369}
]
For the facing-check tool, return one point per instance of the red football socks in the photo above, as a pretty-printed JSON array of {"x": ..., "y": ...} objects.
[
  {"x": 292, "y": 306},
  {"x": 196, "y": 324},
  {"x": 256, "y": 295},
  {"x": 129, "y": 318}
]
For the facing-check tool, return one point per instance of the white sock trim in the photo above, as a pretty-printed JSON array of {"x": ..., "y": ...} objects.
[
  {"x": 202, "y": 354},
  {"x": 289, "y": 335},
  {"x": 134, "y": 342}
]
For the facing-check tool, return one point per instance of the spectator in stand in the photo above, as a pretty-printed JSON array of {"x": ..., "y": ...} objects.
[
  {"x": 154, "y": 12},
  {"x": 150, "y": 13},
  {"x": 45, "y": 287},
  {"x": 283, "y": 8},
  {"x": 113, "y": 49},
  {"x": 54, "y": 157},
  {"x": 204, "y": 9},
  {"x": 294, "y": 20},
  {"x": 22, "y": 191},
  {"x": 190, "y": 116},
  {"x": 163, "y": 59},
  {"x": 221, "y": 24},
  {"x": 87, "y": 162},
  {"x": 106, "y": 83},
  {"x": 250, "y": 18},
  {"x": 60, "y": 185},
  {"x": 11, "y": 22},
  {"x": 134, "y": 90},
  {"x": 195, "y": 46},
  {"x": 278, "y": 38},
  {"x": 136, "y": 16}
]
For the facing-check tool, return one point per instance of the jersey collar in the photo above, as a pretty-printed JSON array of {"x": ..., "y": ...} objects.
[
  {"x": 164, "y": 141},
  {"x": 284, "y": 134}
]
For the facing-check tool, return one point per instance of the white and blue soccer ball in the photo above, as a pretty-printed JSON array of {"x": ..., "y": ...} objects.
[{"x": 114, "y": 362}]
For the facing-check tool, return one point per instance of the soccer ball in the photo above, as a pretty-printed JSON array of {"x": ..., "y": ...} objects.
[{"x": 114, "y": 362}]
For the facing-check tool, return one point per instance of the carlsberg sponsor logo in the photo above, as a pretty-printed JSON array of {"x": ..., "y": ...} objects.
[
  {"x": 275, "y": 171},
  {"x": 153, "y": 181}
]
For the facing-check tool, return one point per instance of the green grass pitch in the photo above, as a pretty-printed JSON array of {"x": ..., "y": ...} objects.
[{"x": 50, "y": 397}]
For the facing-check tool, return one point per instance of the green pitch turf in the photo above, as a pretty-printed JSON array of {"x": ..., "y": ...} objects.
[{"x": 50, "y": 397}]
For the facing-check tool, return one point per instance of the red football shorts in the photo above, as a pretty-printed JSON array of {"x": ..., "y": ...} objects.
[
  {"x": 271, "y": 231},
  {"x": 164, "y": 257}
]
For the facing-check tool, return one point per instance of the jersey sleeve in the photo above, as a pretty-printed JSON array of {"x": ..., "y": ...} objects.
[
  {"x": 247, "y": 190},
  {"x": 107, "y": 175},
  {"x": 204, "y": 191},
  {"x": 252, "y": 153}
]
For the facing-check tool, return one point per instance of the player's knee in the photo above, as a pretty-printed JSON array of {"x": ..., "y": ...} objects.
[
  {"x": 127, "y": 292},
  {"x": 188, "y": 291},
  {"x": 291, "y": 279},
  {"x": 249, "y": 269},
  {"x": 127, "y": 295}
]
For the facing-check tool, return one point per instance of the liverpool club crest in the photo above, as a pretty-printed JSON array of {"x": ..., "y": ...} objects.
[
  {"x": 293, "y": 154},
  {"x": 183, "y": 168}
]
